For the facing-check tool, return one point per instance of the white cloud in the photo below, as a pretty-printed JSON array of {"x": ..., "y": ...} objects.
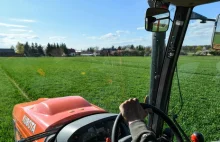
[
  {"x": 57, "y": 37},
  {"x": 197, "y": 29},
  {"x": 7, "y": 42},
  {"x": 110, "y": 36},
  {"x": 23, "y": 20},
  {"x": 199, "y": 33},
  {"x": 21, "y": 30},
  {"x": 12, "y": 25},
  {"x": 92, "y": 37},
  {"x": 18, "y": 36},
  {"x": 139, "y": 40},
  {"x": 122, "y": 32},
  {"x": 32, "y": 37},
  {"x": 11, "y": 39},
  {"x": 140, "y": 28}
]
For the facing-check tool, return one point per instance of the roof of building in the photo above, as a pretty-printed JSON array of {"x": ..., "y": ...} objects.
[
  {"x": 71, "y": 50},
  {"x": 3, "y": 50}
]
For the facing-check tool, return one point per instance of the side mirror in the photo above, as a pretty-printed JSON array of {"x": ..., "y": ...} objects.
[
  {"x": 216, "y": 35},
  {"x": 157, "y": 19}
]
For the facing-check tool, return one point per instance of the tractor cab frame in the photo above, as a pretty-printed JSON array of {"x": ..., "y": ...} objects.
[{"x": 164, "y": 61}]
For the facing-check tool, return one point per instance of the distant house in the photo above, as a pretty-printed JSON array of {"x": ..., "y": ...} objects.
[
  {"x": 7, "y": 52},
  {"x": 96, "y": 53},
  {"x": 86, "y": 53},
  {"x": 71, "y": 52},
  {"x": 108, "y": 51},
  {"x": 78, "y": 52}
]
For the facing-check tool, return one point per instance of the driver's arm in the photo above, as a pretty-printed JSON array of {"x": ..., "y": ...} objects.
[
  {"x": 140, "y": 133},
  {"x": 134, "y": 114}
]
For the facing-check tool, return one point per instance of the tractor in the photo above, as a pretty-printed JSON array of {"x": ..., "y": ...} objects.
[{"x": 74, "y": 119}]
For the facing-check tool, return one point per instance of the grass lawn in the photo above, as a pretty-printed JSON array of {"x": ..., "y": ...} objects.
[
  {"x": 108, "y": 81},
  {"x": 217, "y": 38}
]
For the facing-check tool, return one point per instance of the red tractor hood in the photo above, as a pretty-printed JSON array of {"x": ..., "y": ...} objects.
[{"x": 38, "y": 116}]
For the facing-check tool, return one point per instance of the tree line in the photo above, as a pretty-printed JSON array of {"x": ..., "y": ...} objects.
[
  {"x": 55, "y": 49},
  {"x": 36, "y": 50},
  {"x": 132, "y": 47},
  {"x": 126, "y": 50},
  {"x": 195, "y": 48}
]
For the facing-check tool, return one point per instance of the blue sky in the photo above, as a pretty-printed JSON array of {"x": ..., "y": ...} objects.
[{"x": 84, "y": 23}]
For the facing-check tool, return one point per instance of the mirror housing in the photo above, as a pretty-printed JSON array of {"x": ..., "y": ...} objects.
[
  {"x": 216, "y": 35},
  {"x": 157, "y": 19}
]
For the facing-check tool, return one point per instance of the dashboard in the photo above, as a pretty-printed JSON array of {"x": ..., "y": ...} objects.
[{"x": 93, "y": 128}]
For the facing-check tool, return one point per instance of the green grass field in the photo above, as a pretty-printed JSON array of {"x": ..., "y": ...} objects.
[
  {"x": 161, "y": 28},
  {"x": 217, "y": 38},
  {"x": 108, "y": 81}
]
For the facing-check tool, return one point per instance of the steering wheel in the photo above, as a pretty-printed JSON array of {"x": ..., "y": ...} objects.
[{"x": 170, "y": 123}]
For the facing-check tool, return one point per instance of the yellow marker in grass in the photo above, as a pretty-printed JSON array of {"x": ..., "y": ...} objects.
[
  {"x": 83, "y": 73},
  {"x": 41, "y": 72}
]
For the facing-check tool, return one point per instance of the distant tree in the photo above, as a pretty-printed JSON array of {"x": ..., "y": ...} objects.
[
  {"x": 215, "y": 52},
  {"x": 96, "y": 48},
  {"x": 147, "y": 51},
  {"x": 33, "y": 50},
  {"x": 58, "y": 46},
  {"x": 12, "y": 47},
  {"x": 56, "y": 49},
  {"x": 132, "y": 46},
  {"x": 32, "y": 45},
  {"x": 26, "y": 49},
  {"x": 140, "y": 47},
  {"x": 119, "y": 47},
  {"x": 91, "y": 49},
  {"x": 54, "y": 46},
  {"x": 40, "y": 50},
  {"x": 20, "y": 48},
  {"x": 198, "y": 48},
  {"x": 35, "y": 46},
  {"x": 63, "y": 46},
  {"x": 193, "y": 49},
  {"x": 48, "y": 49}
]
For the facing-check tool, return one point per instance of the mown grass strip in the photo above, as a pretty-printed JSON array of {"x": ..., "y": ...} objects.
[
  {"x": 9, "y": 96},
  {"x": 16, "y": 85}
]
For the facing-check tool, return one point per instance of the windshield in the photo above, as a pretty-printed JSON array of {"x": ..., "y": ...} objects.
[
  {"x": 197, "y": 80},
  {"x": 100, "y": 51}
]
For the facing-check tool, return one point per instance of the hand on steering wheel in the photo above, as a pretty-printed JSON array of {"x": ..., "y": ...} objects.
[{"x": 131, "y": 110}]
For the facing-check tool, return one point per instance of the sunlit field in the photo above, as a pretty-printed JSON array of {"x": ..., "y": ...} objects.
[
  {"x": 107, "y": 82},
  {"x": 217, "y": 38}
]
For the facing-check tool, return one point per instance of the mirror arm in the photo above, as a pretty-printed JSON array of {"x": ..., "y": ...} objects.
[
  {"x": 196, "y": 16},
  {"x": 211, "y": 20}
]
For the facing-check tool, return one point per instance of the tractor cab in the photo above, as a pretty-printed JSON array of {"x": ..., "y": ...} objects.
[{"x": 74, "y": 119}]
